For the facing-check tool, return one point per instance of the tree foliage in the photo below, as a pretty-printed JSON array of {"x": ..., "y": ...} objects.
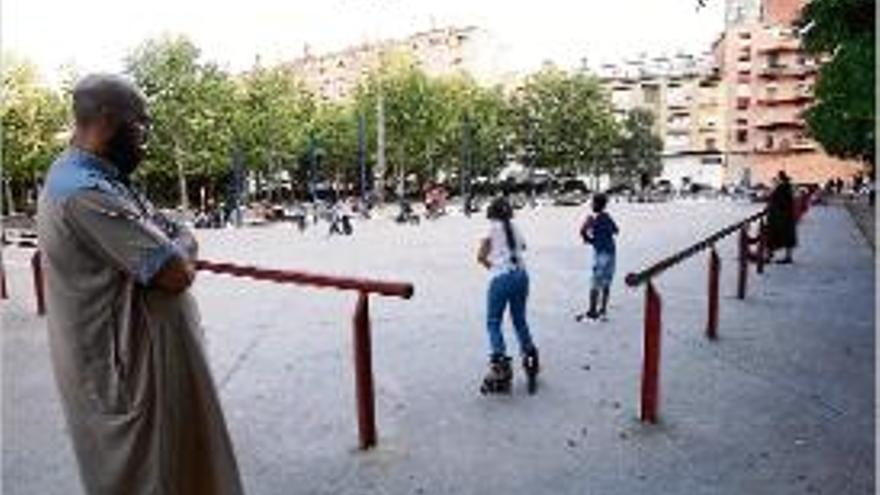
[
  {"x": 842, "y": 118},
  {"x": 436, "y": 127},
  {"x": 34, "y": 123},
  {"x": 192, "y": 105},
  {"x": 638, "y": 147},
  {"x": 273, "y": 119},
  {"x": 565, "y": 123},
  {"x": 34, "y": 119}
]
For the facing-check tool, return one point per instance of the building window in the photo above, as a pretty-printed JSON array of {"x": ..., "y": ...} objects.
[
  {"x": 742, "y": 136},
  {"x": 745, "y": 35},
  {"x": 742, "y": 122},
  {"x": 773, "y": 60},
  {"x": 771, "y": 92},
  {"x": 742, "y": 103},
  {"x": 710, "y": 144},
  {"x": 768, "y": 141},
  {"x": 652, "y": 94}
]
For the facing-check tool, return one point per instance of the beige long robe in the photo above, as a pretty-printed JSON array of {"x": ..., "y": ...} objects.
[{"x": 142, "y": 409}]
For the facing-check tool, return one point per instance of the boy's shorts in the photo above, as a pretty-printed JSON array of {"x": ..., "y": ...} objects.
[{"x": 603, "y": 270}]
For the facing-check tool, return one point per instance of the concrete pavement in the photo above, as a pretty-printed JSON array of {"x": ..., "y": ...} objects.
[{"x": 782, "y": 403}]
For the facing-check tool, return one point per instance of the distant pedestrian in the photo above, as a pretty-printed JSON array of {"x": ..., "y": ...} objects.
[
  {"x": 599, "y": 230},
  {"x": 781, "y": 219},
  {"x": 501, "y": 252}
]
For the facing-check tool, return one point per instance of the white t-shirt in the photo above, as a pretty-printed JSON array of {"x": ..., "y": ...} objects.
[{"x": 499, "y": 252}]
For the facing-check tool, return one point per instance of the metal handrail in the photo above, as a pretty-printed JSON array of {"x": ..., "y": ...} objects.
[
  {"x": 361, "y": 339},
  {"x": 637, "y": 278},
  {"x": 385, "y": 288}
]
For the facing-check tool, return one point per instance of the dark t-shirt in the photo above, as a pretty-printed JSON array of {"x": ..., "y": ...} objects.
[{"x": 602, "y": 232}]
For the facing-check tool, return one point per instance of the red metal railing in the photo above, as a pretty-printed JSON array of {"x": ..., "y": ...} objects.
[
  {"x": 653, "y": 321},
  {"x": 653, "y": 307},
  {"x": 363, "y": 354}
]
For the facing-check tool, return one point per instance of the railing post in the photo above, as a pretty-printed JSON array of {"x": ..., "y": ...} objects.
[
  {"x": 762, "y": 245},
  {"x": 651, "y": 360},
  {"x": 714, "y": 272},
  {"x": 37, "y": 267},
  {"x": 4, "y": 294},
  {"x": 363, "y": 371},
  {"x": 743, "y": 262}
]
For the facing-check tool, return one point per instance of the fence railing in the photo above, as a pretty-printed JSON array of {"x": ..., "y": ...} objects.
[
  {"x": 650, "y": 384},
  {"x": 362, "y": 353}
]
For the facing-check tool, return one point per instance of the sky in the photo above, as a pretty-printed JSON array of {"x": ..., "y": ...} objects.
[{"x": 95, "y": 35}]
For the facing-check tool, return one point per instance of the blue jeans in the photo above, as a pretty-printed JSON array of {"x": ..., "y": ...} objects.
[{"x": 508, "y": 288}]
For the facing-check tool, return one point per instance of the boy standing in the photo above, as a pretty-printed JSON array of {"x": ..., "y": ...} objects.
[{"x": 599, "y": 230}]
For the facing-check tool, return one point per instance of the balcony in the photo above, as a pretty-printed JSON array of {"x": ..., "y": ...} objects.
[
  {"x": 782, "y": 45},
  {"x": 803, "y": 145},
  {"x": 777, "y": 122},
  {"x": 795, "y": 100},
  {"x": 783, "y": 71}
]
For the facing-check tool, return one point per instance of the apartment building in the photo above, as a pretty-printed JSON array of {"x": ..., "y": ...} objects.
[
  {"x": 441, "y": 51},
  {"x": 768, "y": 82},
  {"x": 685, "y": 94}
]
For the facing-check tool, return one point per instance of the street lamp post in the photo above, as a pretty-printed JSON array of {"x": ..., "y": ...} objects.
[
  {"x": 362, "y": 158},
  {"x": 464, "y": 174}
]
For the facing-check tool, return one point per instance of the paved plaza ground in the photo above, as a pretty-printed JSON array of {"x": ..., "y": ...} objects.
[{"x": 782, "y": 403}]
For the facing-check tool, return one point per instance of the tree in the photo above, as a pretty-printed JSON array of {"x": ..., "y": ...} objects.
[
  {"x": 335, "y": 131},
  {"x": 842, "y": 118},
  {"x": 34, "y": 120},
  {"x": 192, "y": 106},
  {"x": 565, "y": 122},
  {"x": 274, "y": 120},
  {"x": 477, "y": 115},
  {"x": 638, "y": 148},
  {"x": 415, "y": 115}
]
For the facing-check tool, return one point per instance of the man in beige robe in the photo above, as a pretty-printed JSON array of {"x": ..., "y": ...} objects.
[{"x": 124, "y": 332}]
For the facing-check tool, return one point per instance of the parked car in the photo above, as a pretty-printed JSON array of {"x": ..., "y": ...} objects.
[{"x": 572, "y": 192}]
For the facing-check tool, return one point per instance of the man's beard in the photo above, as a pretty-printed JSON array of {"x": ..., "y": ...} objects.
[{"x": 124, "y": 152}]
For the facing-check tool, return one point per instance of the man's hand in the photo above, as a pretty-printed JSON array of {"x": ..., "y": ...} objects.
[{"x": 176, "y": 276}]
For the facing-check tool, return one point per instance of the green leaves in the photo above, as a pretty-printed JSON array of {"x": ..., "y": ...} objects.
[
  {"x": 273, "y": 118},
  {"x": 426, "y": 120},
  {"x": 638, "y": 148},
  {"x": 435, "y": 126},
  {"x": 192, "y": 107},
  {"x": 842, "y": 119},
  {"x": 34, "y": 121},
  {"x": 565, "y": 122}
]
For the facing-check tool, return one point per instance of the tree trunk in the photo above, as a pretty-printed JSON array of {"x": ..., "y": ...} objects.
[
  {"x": 181, "y": 179},
  {"x": 379, "y": 177},
  {"x": 10, "y": 199}
]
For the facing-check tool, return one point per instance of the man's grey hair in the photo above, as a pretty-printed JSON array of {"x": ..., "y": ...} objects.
[{"x": 96, "y": 95}]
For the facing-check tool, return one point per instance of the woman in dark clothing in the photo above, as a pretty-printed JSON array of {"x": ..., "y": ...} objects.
[{"x": 781, "y": 233}]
